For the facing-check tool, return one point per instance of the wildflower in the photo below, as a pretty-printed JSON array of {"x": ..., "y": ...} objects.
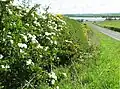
[
  {"x": 1, "y": 56},
  {"x": 22, "y": 45},
  {"x": 29, "y": 62}
]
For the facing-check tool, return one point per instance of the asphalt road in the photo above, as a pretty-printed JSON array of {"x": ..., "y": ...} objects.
[{"x": 113, "y": 34}]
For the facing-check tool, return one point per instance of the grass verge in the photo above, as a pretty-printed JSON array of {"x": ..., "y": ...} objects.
[
  {"x": 110, "y": 24},
  {"x": 105, "y": 74}
]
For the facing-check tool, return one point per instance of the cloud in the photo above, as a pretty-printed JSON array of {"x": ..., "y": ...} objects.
[{"x": 81, "y": 6}]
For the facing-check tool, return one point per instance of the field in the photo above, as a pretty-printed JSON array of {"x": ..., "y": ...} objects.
[{"x": 111, "y": 24}]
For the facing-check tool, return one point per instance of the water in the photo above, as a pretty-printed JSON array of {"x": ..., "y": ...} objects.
[{"x": 89, "y": 18}]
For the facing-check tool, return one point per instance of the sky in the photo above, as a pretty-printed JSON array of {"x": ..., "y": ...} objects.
[{"x": 81, "y": 6}]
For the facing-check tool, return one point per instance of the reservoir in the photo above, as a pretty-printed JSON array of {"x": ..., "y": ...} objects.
[{"x": 89, "y": 18}]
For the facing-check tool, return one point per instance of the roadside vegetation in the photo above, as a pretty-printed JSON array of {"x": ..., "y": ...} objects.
[
  {"x": 111, "y": 24},
  {"x": 47, "y": 51},
  {"x": 42, "y": 50}
]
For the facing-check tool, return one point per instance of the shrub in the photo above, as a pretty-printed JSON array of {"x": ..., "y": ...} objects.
[{"x": 32, "y": 45}]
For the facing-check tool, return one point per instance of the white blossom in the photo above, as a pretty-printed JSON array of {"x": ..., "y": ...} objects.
[
  {"x": 9, "y": 32},
  {"x": 52, "y": 81},
  {"x": 22, "y": 45},
  {"x": 3, "y": 0},
  {"x": 29, "y": 62},
  {"x": 21, "y": 51},
  {"x": 24, "y": 36},
  {"x": 35, "y": 18},
  {"x": 11, "y": 41},
  {"x": 48, "y": 38},
  {"x": 52, "y": 33},
  {"x": 41, "y": 56},
  {"x": 47, "y": 34},
  {"x": 46, "y": 48},
  {"x": 51, "y": 27},
  {"x": 32, "y": 14},
  {"x": 9, "y": 36},
  {"x": 3, "y": 39},
  {"x": 10, "y": 12},
  {"x": 51, "y": 41},
  {"x": 3, "y": 29},
  {"x": 64, "y": 74},
  {"x": 52, "y": 75},
  {"x": 55, "y": 42},
  {"x": 57, "y": 87},
  {"x": 1, "y": 56},
  {"x": 37, "y": 23},
  {"x": 29, "y": 35},
  {"x": 27, "y": 24},
  {"x": 68, "y": 41},
  {"x": 58, "y": 58},
  {"x": 5, "y": 66},
  {"x": 27, "y": 10},
  {"x": 39, "y": 46},
  {"x": 34, "y": 40}
]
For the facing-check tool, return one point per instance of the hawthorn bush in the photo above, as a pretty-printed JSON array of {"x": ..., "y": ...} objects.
[{"x": 32, "y": 45}]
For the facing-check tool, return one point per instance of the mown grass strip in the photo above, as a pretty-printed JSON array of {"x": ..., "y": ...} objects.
[{"x": 105, "y": 74}]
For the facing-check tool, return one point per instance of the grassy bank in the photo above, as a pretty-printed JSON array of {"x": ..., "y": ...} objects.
[
  {"x": 111, "y": 24},
  {"x": 77, "y": 73},
  {"x": 105, "y": 74}
]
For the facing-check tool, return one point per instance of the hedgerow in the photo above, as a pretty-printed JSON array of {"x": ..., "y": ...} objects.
[{"x": 32, "y": 45}]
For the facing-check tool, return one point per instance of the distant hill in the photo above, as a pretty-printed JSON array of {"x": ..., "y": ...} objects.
[{"x": 92, "y": 15}]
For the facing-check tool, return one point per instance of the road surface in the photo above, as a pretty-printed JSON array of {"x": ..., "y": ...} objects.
[{"x": 113, "y": 34}]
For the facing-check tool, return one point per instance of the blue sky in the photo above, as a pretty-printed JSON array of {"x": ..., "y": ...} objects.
[{"x": 81, "y": 6}]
